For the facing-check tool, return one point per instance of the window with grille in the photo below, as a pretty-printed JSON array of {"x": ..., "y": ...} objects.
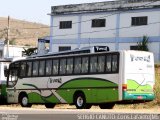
[
  {"x": 138, "y": 21},
  {"x": 98, "y": 23},
  {"x": 65, "y": 24}
]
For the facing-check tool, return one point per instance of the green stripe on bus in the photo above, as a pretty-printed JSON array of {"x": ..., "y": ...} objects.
[
  {"x": 37, "y": 98},
  {"x": 88, "y": 82},
  {"x": 136, "y": 91},
  {"x": 134, "y": 87},
  {"x": 95, "y": 90}
]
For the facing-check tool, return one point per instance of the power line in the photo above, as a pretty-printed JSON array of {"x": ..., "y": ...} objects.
[
  {"x": 105, "y": 15},
  {"x": 85, "y": 21},
  {"x": 89, "y": 19},
  {"x": 125, "y": 27}
]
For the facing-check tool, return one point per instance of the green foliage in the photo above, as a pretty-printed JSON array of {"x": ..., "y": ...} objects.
[
  {"x": 12, "y": 42},
  {"x": 29, "y": 51},
  {"x": 27, "y": 45},
  {"x": 4, "y": 35},
  {"x": 157, "y": 84},
  {"x": 143, "y": 45}
]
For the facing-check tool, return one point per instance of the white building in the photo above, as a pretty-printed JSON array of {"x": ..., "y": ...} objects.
[
  {"x": 7, "y": 55},
  {"x": 117, "y": 24},
  {"x": 12, "y": 52}
]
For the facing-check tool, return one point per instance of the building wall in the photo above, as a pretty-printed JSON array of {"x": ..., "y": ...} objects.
[
  {"x": 65, "y": 33},
  {"x": 100, "y": 32},
  {"x": 110, "y": 30},
  {"x": 138, "y": 31},
  {"x": 14, "y": 51},
  {"x": 121, "y": 38}
]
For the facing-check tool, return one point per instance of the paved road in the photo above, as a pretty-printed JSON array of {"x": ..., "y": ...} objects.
[{"x": 10, "y": 113}]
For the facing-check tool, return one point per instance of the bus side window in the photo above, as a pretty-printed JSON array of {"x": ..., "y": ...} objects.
[
  {"x": 23, "y": 69},
  {"x": 28, "y": 68},
  {"x": 85, "y": 64},
  {"x": 48, "y": 67},
  {"x": 35, "y": 68},
  {"x": 93, "y": 64},
  {"x": 101, "y": 64},
  {"x": 69, "y": 65},
  {"x": 108, "y": 63},
  {"x": 62, "y": 69},
  {"x": 41, "y": 68},
  {"x": 114, "y": 63},
  {"x": 77, "y": 65},
  {"x": 55, "y": 67}
]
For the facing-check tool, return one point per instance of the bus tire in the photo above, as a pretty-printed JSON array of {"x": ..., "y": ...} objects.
[
  {"x": 50, "y": 105},
  {"x": 80, "y": 101},
  {"x": 107, "y": 105},
  {"x": 88, "y": 106},
  {"x": 23, "y": 99}
]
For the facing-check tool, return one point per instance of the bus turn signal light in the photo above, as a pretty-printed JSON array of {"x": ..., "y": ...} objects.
[{"x": 124, "y": 87}]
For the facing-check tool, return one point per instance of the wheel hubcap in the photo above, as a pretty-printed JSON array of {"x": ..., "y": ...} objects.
[
  {"x": 25, "y": 101},
  {"x": 79, "y": 101}
]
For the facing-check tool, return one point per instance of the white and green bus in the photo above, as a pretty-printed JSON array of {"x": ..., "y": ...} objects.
[{"x": 86, "y": 79}]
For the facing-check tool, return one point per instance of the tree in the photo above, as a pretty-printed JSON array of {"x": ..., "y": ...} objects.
[
  {"x": 12, "y": 42},
  {"x": 3, "y": 34},
  {"x": 12, "y": 39},
  {"x": 143, "y": 45}
]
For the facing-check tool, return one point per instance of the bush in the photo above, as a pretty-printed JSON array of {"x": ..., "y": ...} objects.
[{"x": 143, "y": 45}]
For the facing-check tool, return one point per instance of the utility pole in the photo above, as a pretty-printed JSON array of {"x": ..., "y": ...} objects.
[{"x": 8, "y": 30}]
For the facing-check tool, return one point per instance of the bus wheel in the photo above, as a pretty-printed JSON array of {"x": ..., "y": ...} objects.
[
  {"x": 80, "y": 101},
  {"x": 107, "y": 105},
  {"x": 24, "y": 101},
  {"x": 50, "y": 105}
]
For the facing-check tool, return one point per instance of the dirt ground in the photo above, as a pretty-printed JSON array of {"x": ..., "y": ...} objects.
[{"x": 94, "y": 108}]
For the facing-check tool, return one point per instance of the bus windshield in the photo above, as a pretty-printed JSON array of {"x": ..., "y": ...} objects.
[{"x": 13, "y": 75}]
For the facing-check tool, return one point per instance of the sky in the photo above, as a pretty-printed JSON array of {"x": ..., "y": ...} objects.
[{"x": 34, "y": 10}]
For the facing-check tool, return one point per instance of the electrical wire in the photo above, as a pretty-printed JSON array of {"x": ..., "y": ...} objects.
[
  {"x": 88, "y": 19},
  {"x": 105, "y": 30}
]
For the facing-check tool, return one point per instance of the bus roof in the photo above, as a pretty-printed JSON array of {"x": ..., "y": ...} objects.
[
  {"x": 70, "y": 55},
  {"x": 90, "y": 49}
]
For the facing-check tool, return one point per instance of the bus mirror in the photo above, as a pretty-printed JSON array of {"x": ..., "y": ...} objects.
[{"x": 6, "y": 72}]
